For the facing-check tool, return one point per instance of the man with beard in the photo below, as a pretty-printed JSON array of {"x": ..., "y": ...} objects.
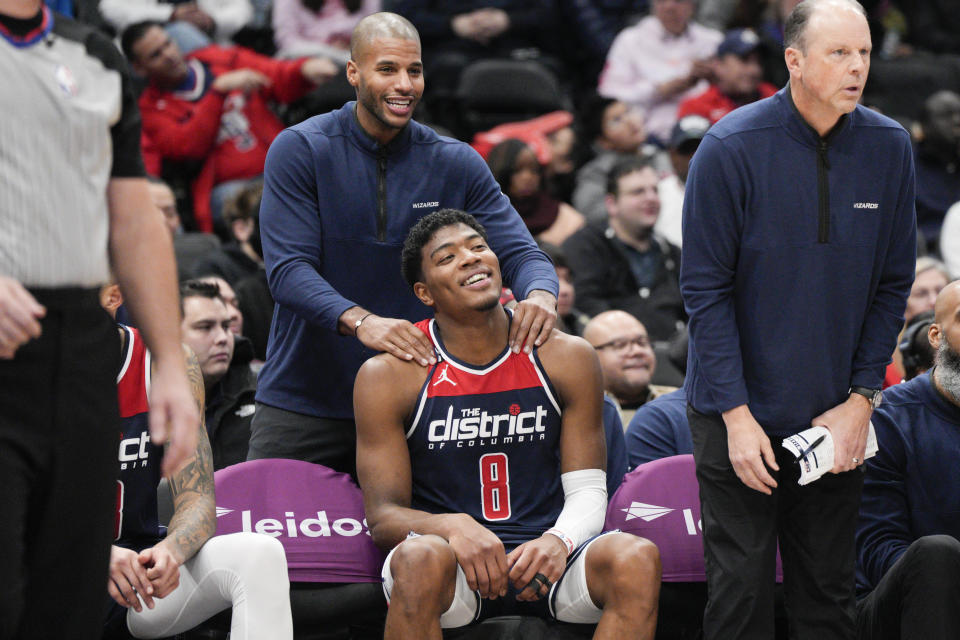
[{"x": 908, "y": 554}]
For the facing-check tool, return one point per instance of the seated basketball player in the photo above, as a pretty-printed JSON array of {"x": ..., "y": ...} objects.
[
  {"x": 164, "y": 585},
  {"x": 485, "y": 473}
]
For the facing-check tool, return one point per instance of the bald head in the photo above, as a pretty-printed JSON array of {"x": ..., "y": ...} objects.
[
  {"x": 626, "y": 357},
  {"x": 608, "y": 322},
  {"x": 947, "y": 303},
  {"x": 380, "y": 25},
  {"x": 796, "y": 25}
]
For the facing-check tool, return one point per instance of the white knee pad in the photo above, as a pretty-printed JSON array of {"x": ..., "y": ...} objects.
[{"x": 466, "y": 603}]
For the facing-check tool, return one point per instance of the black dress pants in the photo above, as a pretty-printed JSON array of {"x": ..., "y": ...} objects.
[
  {"x": 815, "y": 525},
  {"x": 58, "y": 467},
  {"x": 919, "y": 597}
]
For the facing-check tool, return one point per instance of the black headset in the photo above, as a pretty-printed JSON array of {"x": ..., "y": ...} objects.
[{"x": 915, "y": 347}]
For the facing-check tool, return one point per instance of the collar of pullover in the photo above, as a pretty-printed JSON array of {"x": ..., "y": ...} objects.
[
  {"x": 799, "y": 128},
  {"x": 349, "y": 122}
]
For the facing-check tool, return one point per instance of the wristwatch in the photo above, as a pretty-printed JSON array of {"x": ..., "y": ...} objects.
[{"x": 873, "y": 395}]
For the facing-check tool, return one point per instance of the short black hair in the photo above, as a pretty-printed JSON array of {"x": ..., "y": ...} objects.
[
  {"x": 624, "y": 167},
  {"x": 197, "y": 288},
  {"x": 132, "y": 34},
  {"x": 411, "y": 260},
  {"x": 591, "y": 117}
]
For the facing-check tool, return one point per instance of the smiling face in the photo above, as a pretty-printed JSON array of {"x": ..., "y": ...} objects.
[
  {"x": 625, "y": 354},
  {"x": 388, "y": 76},
  {"x": 459, "y": 271},
  {"x": 829, "y": 68},
  {"x": 635, "y": 207},
  {"x": 205, "y": 328}
]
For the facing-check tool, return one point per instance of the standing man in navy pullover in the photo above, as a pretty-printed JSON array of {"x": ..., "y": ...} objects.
[
  {"x": 798, "y": 255},
  {"x": 341, "y": 190}
]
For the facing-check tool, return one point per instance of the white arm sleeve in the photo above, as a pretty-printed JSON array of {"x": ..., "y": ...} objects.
[{"x": 584, "y": 506}]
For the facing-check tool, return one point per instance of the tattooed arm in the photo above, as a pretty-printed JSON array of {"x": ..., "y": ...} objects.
[{"x": 194, "y": 505}]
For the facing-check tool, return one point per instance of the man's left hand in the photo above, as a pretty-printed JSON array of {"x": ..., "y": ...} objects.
[
  {"x": 533, "y": 320},
  {"x": 319, "y": 70},
  {"x": 848, "y": 424},
  {"x": 546, "y": 556},
  {"x": 163, "y": 568}
]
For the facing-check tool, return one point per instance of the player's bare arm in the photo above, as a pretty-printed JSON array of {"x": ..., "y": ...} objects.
[
  {"x": 385, "y": 392},
  {"x": 572, "y": 366},
  {"x": 194, "y": 517}
]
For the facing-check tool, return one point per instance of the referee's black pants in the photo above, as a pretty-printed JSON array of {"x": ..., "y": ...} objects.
[
  {"x": 59, "y": 431},
  {"x": 919, "y": 597},
  {"x": 815, "y": 524}
]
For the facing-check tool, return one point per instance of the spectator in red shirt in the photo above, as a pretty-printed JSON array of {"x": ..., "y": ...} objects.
[
  {"x": 213, "y": 106},
  {"x": 738, "y": 78}
]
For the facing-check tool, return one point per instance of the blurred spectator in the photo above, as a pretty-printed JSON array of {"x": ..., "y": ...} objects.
[
  {"x": 188, "y": 247},
  {"x": 242, "y": 256},
  {"x": 938, "y": 162},
  {"x": 950, "y": 239},
  {"x": 686, "y": 137},
  {"x": 908, "y": 553},
  {"x": 659, "y": 429},
  {"x": 614, "y": 131},
  {"x": 213, "y": 106},
  {"x": 515, "y": 167},
  {"x": 224, "y": 360},
  {"x": 659, "y": 62},
  {"x": 318, "y": 27},
  {"x": 230, "y": 299},
  {"x": 626, "y": 358},
  {"x": 191, "y": 25},
  {"x": 933, "y": 25},
  {"x": 737, "y": 78},
  {"x": 591, "y": 27},
  {"x": 569, "y": 318},
  {"x": 455, "y": 33},
  {"x": 930, "y": 277},
  {"x": 624, "y": 264}
]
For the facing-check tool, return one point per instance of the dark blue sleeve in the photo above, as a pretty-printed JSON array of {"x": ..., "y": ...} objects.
[
  {"x": 883, "y": 531},
  {"x": 616, "y": 449},
  {"x": 658, "y": 430},
  {"x": 884, "y": 319},
  {"x": 712, "y": 221},
  {"x": 291, "y": 232},
  {"x": 523, "y": 265}
]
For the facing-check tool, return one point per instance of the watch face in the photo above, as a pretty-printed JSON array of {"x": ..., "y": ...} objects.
[{"x": 877, "y": 399}]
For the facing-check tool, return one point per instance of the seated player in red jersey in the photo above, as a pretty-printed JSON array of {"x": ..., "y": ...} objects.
[
  {"x": 165, "y": 583},
  {"x": 485, "y": 473}
]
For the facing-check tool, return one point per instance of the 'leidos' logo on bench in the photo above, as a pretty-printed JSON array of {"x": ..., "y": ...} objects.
[{"x": 290, "y": 527}]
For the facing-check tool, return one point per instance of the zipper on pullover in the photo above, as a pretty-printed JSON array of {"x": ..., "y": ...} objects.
[
  {"x": 823, "y": 193},
  {"x": 381, "y": 194}
]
